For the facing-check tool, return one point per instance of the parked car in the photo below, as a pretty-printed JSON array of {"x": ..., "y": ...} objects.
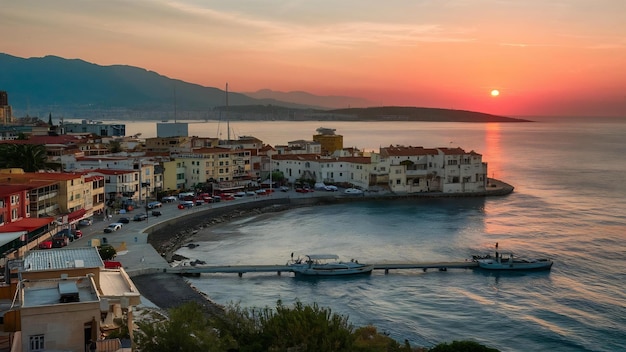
[
  {"x": 331, "y": 188},
  {"x": 110, "y": 264},
  {"x": 239, "y": 194},
  {"x": 153, "y": 205},
  {"x": 353, "y": 191},
  {"x": 85, "y": 222},
  {"x": 140, "y": 217},
  {"x": 185, "y": 204},
  {"x": 124, "y": 220},
  {"x": 156, "y": 213},
  {"x": 284, "y": 188},
  {"x": 70, "y": 234},
  {"x": 169, "y": 199},
  {"x": 60, "y": 242},
  {"x": 113, "y": 227},
  {"x": 45, "y": 244},
  {"x": 227, "y": 196}
]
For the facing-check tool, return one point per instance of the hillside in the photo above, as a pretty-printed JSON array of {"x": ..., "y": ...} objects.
[{"x": 73, "y": 88}]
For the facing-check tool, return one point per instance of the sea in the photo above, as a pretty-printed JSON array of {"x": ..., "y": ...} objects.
[{"x": 569, "y": 205}]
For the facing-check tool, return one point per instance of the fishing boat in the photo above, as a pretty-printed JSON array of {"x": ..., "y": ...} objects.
[
  {"x": 509, "y": 262},
  {"x": 326, "y": 265}
]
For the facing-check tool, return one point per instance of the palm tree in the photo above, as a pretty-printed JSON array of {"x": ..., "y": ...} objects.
[{"x": 30, "y": 157}]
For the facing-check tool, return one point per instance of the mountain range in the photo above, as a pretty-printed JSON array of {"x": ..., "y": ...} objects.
[{"x": 73, "y": 88}]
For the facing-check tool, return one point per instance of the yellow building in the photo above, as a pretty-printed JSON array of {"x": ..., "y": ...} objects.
[{"x": 329, "y": 141}]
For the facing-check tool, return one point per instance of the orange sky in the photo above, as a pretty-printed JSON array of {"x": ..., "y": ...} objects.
[{"x": 561, "y": 57}]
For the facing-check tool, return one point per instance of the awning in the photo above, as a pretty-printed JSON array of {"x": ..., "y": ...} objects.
[
  {"x": 29, "y": 224},
  {"x": 76, "y": 215},
  {"x": 7, "y": 237}
]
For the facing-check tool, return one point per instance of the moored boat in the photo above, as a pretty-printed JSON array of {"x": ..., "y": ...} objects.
[
  {"x": 509, "y": 262},
  {"x": 326, "y": 265}
]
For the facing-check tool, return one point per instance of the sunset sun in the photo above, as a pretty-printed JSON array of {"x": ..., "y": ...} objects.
[{"x": 495, "y": 93}]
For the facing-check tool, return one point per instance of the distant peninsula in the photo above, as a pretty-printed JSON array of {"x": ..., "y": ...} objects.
[{"x": 383, "y": 113}]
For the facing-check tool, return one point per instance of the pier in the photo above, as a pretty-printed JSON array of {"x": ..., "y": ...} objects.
[{"x": 196, "y": 270}]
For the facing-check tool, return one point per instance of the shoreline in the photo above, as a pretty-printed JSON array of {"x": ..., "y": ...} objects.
[
  {"x": 167, "y": 290},
  {"x": 188, "y": 226}
]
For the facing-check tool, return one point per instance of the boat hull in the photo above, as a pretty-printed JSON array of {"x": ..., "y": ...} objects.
[
  {"x": 332, "y": 271},
  {"x": 492, "y": 264}
]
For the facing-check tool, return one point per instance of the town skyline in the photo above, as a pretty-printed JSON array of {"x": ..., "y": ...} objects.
[{"x": 560, "y": 59}]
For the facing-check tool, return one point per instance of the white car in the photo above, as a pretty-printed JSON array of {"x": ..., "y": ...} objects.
[
  {"x": 352, "y": 191},
  {"x": 153, "y": 205},
  {"x": 85, "y": 222},
  {"x": 113, "y": 227},
  {"x": 331, "y": 188},
  {"x": 169, "y": 199}
]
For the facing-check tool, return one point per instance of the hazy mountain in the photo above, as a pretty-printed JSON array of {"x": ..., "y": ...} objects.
[
  {"x": 37, "y": 86},
  {"x": 304, "y": 98}
]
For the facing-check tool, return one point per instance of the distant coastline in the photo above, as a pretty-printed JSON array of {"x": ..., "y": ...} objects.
[{"x": 279, "y": 113}]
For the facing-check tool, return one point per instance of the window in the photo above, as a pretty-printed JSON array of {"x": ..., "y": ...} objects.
[
  {"x": 13, "y": 214},
  {"x": 36, "y": 343}
]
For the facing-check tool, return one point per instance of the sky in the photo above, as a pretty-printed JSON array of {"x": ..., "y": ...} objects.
[{"x": 546, "y": 58}]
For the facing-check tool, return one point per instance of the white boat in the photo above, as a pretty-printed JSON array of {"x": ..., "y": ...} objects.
[
  {"x": 500, "y": 262},
  {"x": 326, "y": 265}
]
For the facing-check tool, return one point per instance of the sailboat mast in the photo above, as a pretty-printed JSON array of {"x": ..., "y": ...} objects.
[{"x": 227, "y": 117}]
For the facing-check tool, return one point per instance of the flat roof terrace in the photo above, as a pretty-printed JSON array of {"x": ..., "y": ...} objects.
[{"x": 58, "y": 291}]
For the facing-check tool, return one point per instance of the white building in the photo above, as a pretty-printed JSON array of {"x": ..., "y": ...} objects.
[{"x": 400, "y": 169}]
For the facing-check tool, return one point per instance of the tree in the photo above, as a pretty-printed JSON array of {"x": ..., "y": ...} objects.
[
  {"x": 187, "y": 329},
  {"x": 278, "y": 176},
  {"x": 115, "y": 146},
  {"x": 107, "y": 252},
  {"x": 29, "y": 157},
  {"x": 305, "y": 328}
]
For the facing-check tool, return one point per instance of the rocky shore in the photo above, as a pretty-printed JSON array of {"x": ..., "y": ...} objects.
[{"x": 167, "y": 290}]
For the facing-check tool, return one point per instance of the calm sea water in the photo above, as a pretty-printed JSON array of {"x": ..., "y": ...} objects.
[{"x": 569, "y": 204}]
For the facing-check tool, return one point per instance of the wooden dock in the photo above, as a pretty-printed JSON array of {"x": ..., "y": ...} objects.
[{"x": 196, "y": 270}]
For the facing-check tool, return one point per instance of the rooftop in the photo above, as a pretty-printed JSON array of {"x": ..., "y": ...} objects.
[
  {"x": 58, "y": 291},
  {"x": 66, "y": 258}
]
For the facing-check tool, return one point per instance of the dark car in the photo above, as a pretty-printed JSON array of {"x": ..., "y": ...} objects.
[
  {"x": 59, "y": 242},
  {"x": 140, "y": 217},
  {"x": 124, "y": 220},
  {"x": 71, "y": 235},
  {"x": 156, "y": 213}
]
